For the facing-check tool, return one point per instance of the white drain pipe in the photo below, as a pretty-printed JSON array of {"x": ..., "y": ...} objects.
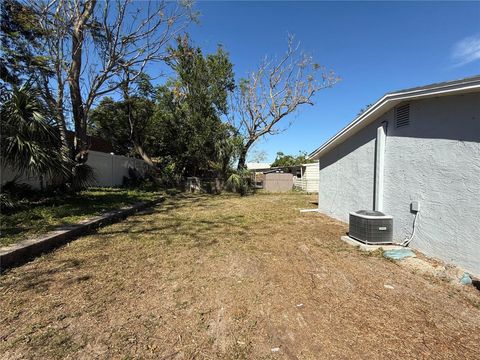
[{"x": 380, "y": 166}]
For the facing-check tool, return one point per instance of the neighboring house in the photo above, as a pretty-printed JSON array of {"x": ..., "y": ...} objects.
[
  {"x": 304, "y": 176},
  {"x": 95, "y": 143},
  {"x": 416, "y": 145},
  {"x": 258, "y": 166},
  {"x": 307, "y": 177},
  {"x": 109, "y": 169},
  {"x": 258, "y": 169},
  {"x": 275, "y": 179}
]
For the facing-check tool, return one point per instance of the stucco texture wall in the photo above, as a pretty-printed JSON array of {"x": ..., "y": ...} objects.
[
  {"x": 435, "y": 161},
  {"x": 347, "y": 176}
]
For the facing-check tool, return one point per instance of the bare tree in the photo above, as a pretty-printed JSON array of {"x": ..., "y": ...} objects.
[
  {"x": 90, "y": 45},
  {"x": 54, "y": 87},
  {"x": 276, "y": 89},
  {"x": 258, "y": 156}
]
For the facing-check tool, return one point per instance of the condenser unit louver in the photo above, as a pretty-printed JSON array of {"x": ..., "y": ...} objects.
[{"x": 371, "y": 227}]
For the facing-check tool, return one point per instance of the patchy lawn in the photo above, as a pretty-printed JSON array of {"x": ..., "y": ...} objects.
[
  {"x": 230, "y": 278},
  {"x": 35, "y": 219}
]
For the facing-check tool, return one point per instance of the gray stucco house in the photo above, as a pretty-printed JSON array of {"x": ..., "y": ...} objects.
[{"x": 416, "y": 145}]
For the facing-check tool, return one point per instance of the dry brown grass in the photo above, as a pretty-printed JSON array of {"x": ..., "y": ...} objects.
[{"x": 229, "y": 278}]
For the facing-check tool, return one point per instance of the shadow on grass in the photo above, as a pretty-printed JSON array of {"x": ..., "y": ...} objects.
[
  {"x": 194, "y": 230},
  {"x": 38, "y": 279},
  {"x": 170, "y": 227},
  {"x": 44, "y": 217}
]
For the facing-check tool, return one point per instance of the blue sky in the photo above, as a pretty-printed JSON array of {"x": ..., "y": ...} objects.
[{"x": 376, "y": 47}]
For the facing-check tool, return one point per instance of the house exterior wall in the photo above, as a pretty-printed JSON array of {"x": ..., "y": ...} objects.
[
  {"x": 109, "y": 170},
  {"x": 311, "y": 176},
  {"x": 435, "y": 161},
  {"x": 347, "y": 175}
]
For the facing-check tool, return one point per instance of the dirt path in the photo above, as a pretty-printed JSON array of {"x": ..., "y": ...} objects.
[{"x": 230, "y": 278}]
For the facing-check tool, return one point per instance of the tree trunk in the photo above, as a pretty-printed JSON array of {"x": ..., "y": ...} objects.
[
  {"x": 80, "y": 142},
  {"x": 79, "y": 116},
  {"x": 242, "y": 159},
  {"x": 131, "y": 121},
  {"x": 62, "y": 127},
  {"x": 243, "y": 155},
  {"x": 65, "y": 146},
  {"x": 143, "y": 154}
]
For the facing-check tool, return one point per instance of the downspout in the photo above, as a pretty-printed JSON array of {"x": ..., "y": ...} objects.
[
  {"x": 301, "y": 179},
  {"x": 319, "y": 176},
  {"x": 380, "y": 166}
]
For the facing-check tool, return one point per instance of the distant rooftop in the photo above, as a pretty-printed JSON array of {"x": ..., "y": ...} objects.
[{"x": 256, "y": 166}]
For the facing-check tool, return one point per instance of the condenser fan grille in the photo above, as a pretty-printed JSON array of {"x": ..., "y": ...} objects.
[{"x": 371, "y": 227}]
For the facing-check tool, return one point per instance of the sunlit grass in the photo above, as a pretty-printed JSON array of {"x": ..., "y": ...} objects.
[{"x": 34, "y": 219}]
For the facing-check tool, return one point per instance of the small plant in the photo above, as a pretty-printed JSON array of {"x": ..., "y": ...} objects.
[
  {"x": 134, "y": 178},
  {"x": 6, "y": 202},
  {"x": 11, "y": 194},
  {"x": 239, "y": 182},
  {"x": 83, "y": 176}
]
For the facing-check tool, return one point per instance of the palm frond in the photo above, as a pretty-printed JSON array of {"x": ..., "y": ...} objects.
[
  {"x": 83, "y": 176},
  {"x": 29, "y": 143}
]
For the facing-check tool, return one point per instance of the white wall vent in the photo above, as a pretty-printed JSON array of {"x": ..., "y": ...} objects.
[{"x": 402, "y": 116}]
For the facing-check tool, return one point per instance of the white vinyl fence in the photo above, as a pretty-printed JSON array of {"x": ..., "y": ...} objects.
[{"x": 109, "y": 170}]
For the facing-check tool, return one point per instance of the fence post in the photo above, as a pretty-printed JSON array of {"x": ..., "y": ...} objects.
[{"x": 113, "y": 160}]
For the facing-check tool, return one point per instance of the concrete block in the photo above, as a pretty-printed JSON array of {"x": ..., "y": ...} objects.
[
  {"x": 365, "y": 247},
  {"x": 23, "y": 251}
]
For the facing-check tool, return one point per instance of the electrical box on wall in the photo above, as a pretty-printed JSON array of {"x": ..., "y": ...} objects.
[{"x": 414, "y": 206}]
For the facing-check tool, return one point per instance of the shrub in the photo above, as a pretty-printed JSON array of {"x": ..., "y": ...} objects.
[
  {"x": 239, "y": 182},
  {"x": 12, "y": 192},
  {"x": 83, "y": 176}
]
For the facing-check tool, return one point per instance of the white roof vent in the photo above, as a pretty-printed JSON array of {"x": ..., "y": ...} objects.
[{"x": 402, "y": 116}]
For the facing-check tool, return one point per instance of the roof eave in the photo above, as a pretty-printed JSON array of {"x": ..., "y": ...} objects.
[{"x": 388, "y": 101}]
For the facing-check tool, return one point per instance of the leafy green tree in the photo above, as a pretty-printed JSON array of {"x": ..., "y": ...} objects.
[
  {"x": 88, "y": 44},
  {"x": 21, "y": 43},
  {"x": 190, "y": 107},
  {"x": 179, "y": 123},
  {"x": 110, "y": 120},
  {"x": 290, "y": 160}
]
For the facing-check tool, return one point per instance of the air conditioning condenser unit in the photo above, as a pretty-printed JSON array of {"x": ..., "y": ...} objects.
[{"x": 371, "y": 227}]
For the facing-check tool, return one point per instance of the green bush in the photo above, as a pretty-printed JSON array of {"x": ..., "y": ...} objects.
[{"x": 240, "y": 182}]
